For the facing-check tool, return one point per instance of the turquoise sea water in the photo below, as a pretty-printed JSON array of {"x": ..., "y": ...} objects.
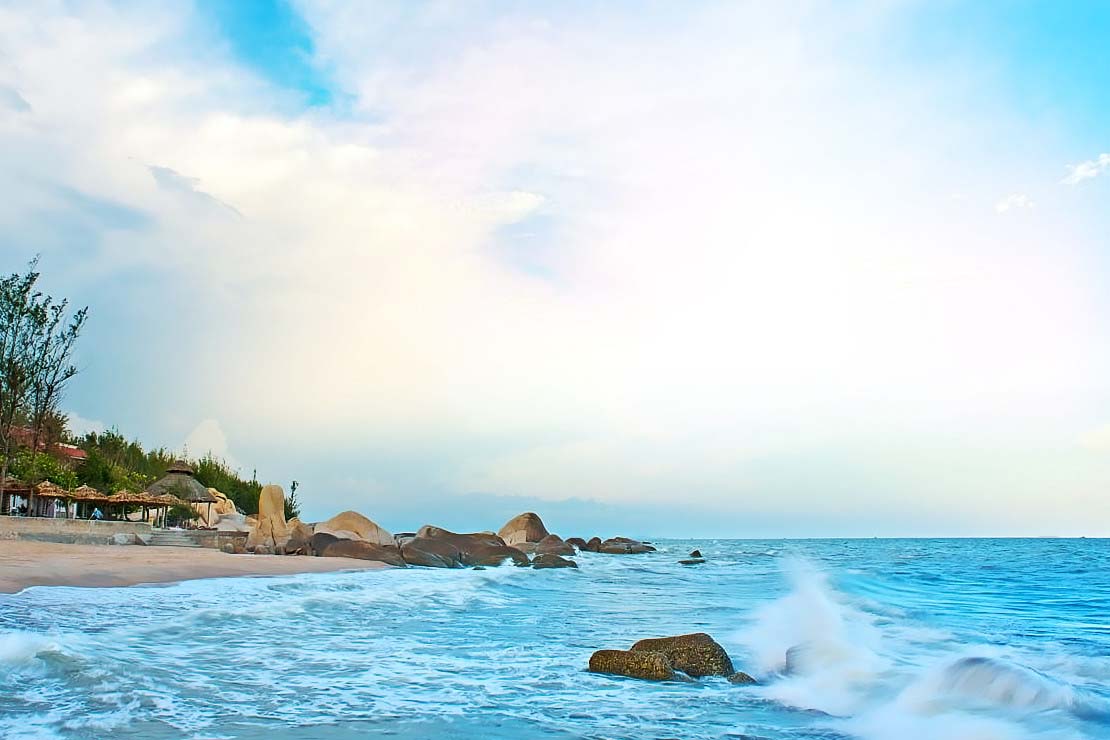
[{"x": 899, "y": 640}]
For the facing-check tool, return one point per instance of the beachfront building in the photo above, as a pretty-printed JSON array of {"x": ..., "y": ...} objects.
[{"x": 180, "y": 480}]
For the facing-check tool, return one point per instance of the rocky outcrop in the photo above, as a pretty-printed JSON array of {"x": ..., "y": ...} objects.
[
  {"x": 634, "y": 664},
  {"x": 550, "y": 560},
  {"x": 350, "y": 525},
  {"x": 624, "y": 546},
  {"x": 594, "y": 544},
  {"x": 527, "y": 527},
  {"x": 300, "y": 535},
  {"x": 682, "y": 657},
  {"x": 553, "y": 544},
  {"x": 359, "y": 549},
  {"x": 435, "y": 547},
  {"x": 209, "y": 515},
  {"x": 695, "y": 655},
  {"x": 271, "y": 531},
  {"x": 577, "y": 543}
]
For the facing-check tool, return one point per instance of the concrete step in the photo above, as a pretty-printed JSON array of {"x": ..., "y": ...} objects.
[{"x": 172, "y": 539}]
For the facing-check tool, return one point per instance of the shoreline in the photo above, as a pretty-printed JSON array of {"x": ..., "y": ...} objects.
[{"x": 24, "y": 564}]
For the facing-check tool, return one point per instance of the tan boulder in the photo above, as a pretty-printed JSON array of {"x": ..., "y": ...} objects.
[
  {"x": 350, "y": 525},
  {"x": 272, "y": 531},
  {"x": 300, "y": 534},
  {"x": 638, "y": 664},
  {"x": 210, "y": 513},
  {"x": 526, "y": 527}
]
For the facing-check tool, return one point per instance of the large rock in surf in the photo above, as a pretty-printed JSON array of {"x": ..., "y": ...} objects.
[
  {"x": 577, "y": 543},
  {"x": 436, "y": 547},
  {"x": 695, "y": 655},
  {"x": 526, "y": 527},
  {"x": 553, "y": 544},
  {"x": 634, "y": 664},
  {"x": 550, "y": 560},
  {"x": 271, "y": 531},
  {"x": 360, "y": 550},
  {"x": 350, "y": 525},
  {"x": 594, "y": 544},
  {"x": 624, "y": 546}
]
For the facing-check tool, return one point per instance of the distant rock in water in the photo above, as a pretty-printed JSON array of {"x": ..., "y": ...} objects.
[
  {"x": 526, "y": 527},
  {"x": 552, "y": 544},
  {"x": 361, "y": 550},
  {"x": 634, "y": 664},
  {"x": 695, "y": 655},
  {"x": 594, "y": 545},
  {"x": 577, "y": 543},
  {"x": 742, "y": 679},
  {"x": 695, "y": 554},
  {"x": 549, "y": 560},
  {"x": 350, "y": 525},
  {"x": 692, "y": 561},
  {"x": 624, "y": 546},
  {"x": 435, "y": 547}
]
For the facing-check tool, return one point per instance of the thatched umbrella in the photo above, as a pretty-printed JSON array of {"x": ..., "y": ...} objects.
[
  {"x": 181, "y": 481},
  {"x": 12, "y": 487},
  {"x": 88, "y": 495},
  {"x": 48, "y": 489}
]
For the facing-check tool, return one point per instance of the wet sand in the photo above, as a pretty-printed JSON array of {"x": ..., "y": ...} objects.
[{"x": 24, "y": 564}]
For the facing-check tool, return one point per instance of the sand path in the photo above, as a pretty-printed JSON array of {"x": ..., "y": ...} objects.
[{"x": 24, "y": 564}]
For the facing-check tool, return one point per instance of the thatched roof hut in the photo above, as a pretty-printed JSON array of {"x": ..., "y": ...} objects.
[{"x": 181, "y": 481}]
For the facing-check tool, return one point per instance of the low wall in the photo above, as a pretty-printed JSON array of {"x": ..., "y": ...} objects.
[
  {"x": 68, "y": 531},
  {"x": 215, "y": 539}
]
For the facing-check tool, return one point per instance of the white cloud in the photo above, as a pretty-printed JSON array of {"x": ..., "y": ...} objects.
[
  {"x": 1014, "y": 201},
  {"x": 1087, "y": 170},
  {"x": 1097, "y": 439},
  {"x": 79, "y": 426},
  {"x": 743, "y": 260},
  {"x": 208, "y": 438}
]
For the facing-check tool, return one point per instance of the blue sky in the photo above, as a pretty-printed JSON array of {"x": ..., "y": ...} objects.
[{"x": 710, "y": 269}]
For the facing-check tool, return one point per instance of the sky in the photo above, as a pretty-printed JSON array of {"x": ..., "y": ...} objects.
[{"x": 719, "y": 269}]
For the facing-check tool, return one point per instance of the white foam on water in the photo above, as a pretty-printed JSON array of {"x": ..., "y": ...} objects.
[{"x": 820, "y": 651}]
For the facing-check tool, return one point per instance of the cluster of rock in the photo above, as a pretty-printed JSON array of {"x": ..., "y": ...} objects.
[
  {"x": 523, "y": 541},
  {"x": 679, "y": 658}
]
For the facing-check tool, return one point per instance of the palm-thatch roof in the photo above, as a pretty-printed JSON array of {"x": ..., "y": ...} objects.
[
  {"x": 87, "y": 493},
  {"x": 134, "y": 499},
  {"x": 47, "y": 489},
  {"x": 180, "y": 481}
]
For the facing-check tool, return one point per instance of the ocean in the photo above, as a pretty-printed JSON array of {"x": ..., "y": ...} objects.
[{"x": 946, "y": 639}]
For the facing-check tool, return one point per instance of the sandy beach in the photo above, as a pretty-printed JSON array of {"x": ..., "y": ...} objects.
[{"x": 24, "y": 564}]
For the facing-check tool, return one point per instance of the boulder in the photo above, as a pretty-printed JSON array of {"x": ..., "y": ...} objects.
[
  {"x": 594, "y": 545},
  {"x": 527, "y": 527},
  {"x": 634, "y": 664},
  {"x": 695, "y": 655},
  {"x": 351, "y": 525},
  {"x": 210, "y": 515},
  {"x": 624, "y": 546},
  {"x": 550, "y": 560},
  {"x": 695, "y": 554},
  {"x": 577, "y": 543},
  {"x": 234, "y": 523},
  {"x": 319, "y": 542},
  {"x": 691, "y": 561},
  {"x": 436, "y": 547},
  {"x": 741, "y": 679},
  {"x": 300, "y": 535},
  {"x": 361, "y": 550},
  {"x": 228, "y": 547},
  {"x": 553, "y": 544},
  {"x": 271, "y": 530}
]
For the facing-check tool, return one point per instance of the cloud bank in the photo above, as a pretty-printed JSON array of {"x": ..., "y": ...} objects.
[{"x": 708, "y": 259}]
